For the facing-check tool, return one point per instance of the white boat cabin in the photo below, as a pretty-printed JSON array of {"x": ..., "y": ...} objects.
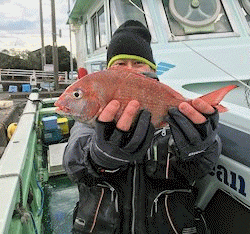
[
  {"x": 184, "y": 35},
  {"x": 198, "y": 46}
]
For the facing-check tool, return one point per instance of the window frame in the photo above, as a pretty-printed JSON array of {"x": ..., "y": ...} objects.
[
  {"x": 148, "y": 20},
  {"x": 241, "y": 11},
  {"x": 99, "y": 28},
  {"x": 87, "y": 37},
  {"x": 95, "y": 29}
]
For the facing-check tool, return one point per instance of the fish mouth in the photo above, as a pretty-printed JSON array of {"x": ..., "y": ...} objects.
[
  {"x": 61, "y": 108},
  {"x": 64, "y": 109}
]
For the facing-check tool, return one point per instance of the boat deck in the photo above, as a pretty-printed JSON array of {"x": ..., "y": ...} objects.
[{"x": 60, "y": 197}]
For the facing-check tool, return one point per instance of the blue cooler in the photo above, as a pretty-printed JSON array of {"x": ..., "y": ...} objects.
[
  {"x": 12, "y": 89},
  {"x": 26, "y": 88}
]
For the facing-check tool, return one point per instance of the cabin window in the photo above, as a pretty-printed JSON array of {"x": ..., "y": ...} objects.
[
  {"x": 123, "y": 10},
  {"x": 98, "y": 66},
  {"x": 99, "y": 30},
  {"x": 87, "y": 35},
  {"x": 196, "y": 17},
  {"x": 102, "y": 28},
  {"x": 245, "y": 5}
]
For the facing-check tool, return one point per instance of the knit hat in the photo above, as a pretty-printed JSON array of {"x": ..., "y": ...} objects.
[{"x": 131, "y": 41}]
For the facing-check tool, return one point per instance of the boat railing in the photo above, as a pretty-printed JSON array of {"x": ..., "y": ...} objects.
[
  {"x": 17, "y": 173},
  {"x": 31, "y": 76}
]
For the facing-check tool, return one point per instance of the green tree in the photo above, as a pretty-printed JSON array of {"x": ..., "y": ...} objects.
[
  {"x": 32, "y": 60},
  {"x": 63, "y": 58}
]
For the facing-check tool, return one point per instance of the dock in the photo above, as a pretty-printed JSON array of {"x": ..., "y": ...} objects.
[{"x": 34, "y": 78}]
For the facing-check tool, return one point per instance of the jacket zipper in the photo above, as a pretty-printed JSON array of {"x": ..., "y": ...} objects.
[
  {"x": 133, "y": 202},
  {"x": 114, "y": 194},
  {"x": 163, "y": 132},
  {"x": 166, "y": 192}
]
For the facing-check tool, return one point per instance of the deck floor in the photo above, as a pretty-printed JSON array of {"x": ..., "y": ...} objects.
[{"x": 60, "y": 199}]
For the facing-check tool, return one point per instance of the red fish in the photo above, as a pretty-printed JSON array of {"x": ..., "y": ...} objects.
[{"x": 84, "y": 99}]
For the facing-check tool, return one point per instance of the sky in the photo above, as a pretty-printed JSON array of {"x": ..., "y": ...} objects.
[{"x": 20, "y": 24}]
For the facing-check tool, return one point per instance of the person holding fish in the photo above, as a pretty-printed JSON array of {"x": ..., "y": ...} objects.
[{"x": 136, "y": 174}]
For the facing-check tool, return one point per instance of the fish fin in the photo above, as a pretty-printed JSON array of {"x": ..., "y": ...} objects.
[
  {"x": 215, "y": 97},
  {"x": 221, "y": 108}
]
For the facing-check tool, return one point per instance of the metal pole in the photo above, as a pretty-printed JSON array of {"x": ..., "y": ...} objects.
[
  {"x": 55, "y": 52},
  {"x": 43, "y": 54},
  {"x": 70, "y": 42}
]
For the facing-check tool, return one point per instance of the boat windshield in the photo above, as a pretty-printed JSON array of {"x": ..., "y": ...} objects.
[
  {"x": 122, "y": 10},
  {"x": 196, "y": 17}
]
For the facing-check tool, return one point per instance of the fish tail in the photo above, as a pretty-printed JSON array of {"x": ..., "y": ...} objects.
[{"x": 215, "y": 97}]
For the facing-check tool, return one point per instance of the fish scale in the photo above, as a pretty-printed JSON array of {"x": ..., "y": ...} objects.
[
  {"x": 86, "y": 97},
  {"x": 155, "y": 105}
]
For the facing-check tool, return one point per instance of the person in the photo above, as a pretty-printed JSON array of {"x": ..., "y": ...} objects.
[{"x": 133, "y": 178}]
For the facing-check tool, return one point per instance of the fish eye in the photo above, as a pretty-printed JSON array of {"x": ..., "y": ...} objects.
[{"x": 77, "y": 94}]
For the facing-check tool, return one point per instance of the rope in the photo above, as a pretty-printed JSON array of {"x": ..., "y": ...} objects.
[
  {"x": 220, "y": 68},
  {"x": 137, "y": 7},
  {"x": 36, "y": 100},
  {"x": 25, "y": 216}
]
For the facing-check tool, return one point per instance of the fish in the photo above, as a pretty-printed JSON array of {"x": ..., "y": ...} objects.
[{"x": 84, "y": 99}]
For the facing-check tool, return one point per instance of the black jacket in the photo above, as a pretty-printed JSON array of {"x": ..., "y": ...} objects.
[{"x": 137, "y": 198}]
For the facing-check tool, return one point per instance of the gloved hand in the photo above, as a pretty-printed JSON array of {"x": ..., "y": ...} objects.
[
  {"x": 193, "y": 139},
  {"x": 112, "y": 148}
]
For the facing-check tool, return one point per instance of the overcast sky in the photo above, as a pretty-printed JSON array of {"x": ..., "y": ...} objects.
[{"x": 20, "y": 24}]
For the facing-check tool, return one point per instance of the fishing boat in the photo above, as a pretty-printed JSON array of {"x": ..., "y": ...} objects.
[{"x": 199, "y": 46}]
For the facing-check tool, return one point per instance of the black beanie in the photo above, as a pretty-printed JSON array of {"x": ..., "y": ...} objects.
[{"x": 131, "y": 41}]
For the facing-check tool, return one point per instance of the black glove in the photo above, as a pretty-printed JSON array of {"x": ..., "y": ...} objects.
[
  {"x": 192, "y": 139},
  {"x": 112, "y": 148}
]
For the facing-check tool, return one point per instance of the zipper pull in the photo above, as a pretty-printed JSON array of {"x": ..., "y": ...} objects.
[
  {"x": 116, "y": 202},
  {"x": 164, "y": 132},
  {"x": 155, "y": 201},
  {"x": 154, "y": 207},
  {"x": 155, "y": 153},
  {"x": 112, "y": 193}
]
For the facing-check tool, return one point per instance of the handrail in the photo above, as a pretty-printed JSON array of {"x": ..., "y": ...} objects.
[
  {"x": 20, "y": 72},
  {"x": 38, "y": 75},
  {"x": 12, "y": 164}
]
